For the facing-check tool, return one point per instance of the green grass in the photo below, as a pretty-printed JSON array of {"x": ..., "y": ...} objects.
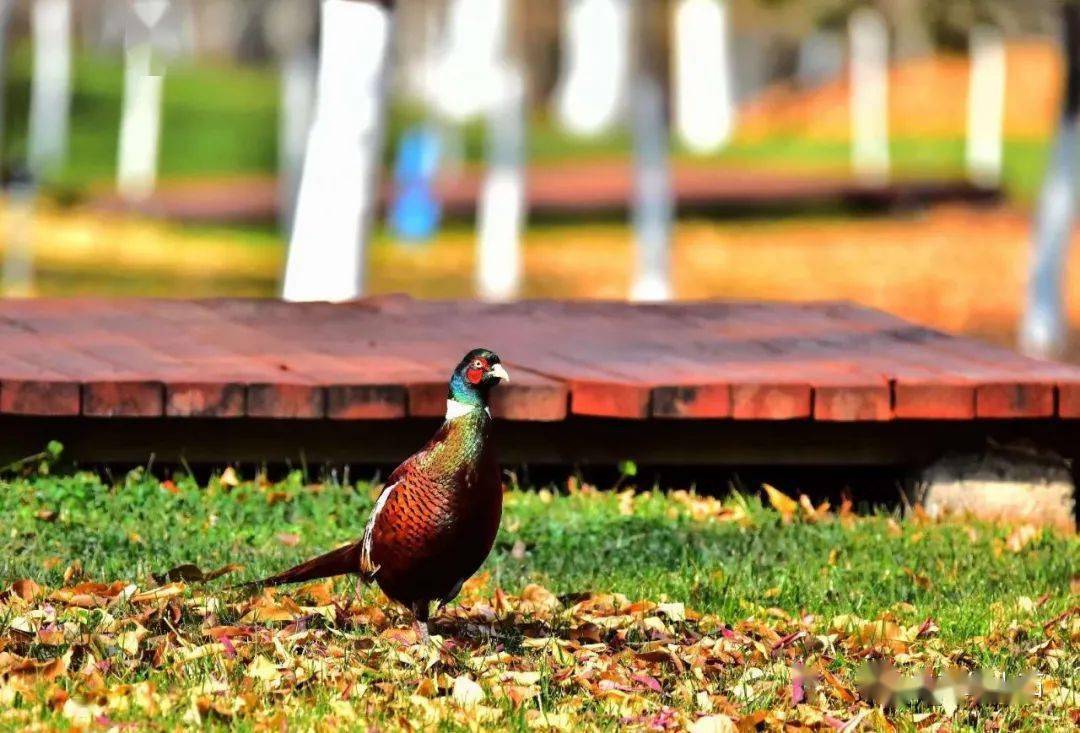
[
  {"x": 216, "y": 120},
  {"x": 222, "y": 120},
  {"x": 646, "y": 547},
  {"x": 575, "y": 543}
]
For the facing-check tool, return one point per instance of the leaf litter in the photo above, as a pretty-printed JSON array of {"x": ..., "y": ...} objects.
[{"x": 178, "y": 646}]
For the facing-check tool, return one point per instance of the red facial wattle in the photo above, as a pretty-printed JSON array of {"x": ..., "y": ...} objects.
[{"x": 475, "y": 375}]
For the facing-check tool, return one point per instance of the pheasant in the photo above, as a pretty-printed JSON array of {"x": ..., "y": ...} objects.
[{"x": 435, "y": 522}]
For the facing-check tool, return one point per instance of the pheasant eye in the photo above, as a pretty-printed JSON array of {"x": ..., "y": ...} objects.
[{"x": 478, "y": 364}]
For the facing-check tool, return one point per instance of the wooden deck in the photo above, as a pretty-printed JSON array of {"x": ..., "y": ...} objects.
[
  {"x": 268, "y": 380},
  {"x": 570, "y": 190}
]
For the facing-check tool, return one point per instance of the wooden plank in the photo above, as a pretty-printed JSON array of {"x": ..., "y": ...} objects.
[
  {"x": 304, "y": 382},
  {"x": 206, "y": 381},
  {"x": 309, "y": 338},
  {"x": 29, "y": 385},
  {"x": 614, "y": 365},
  {"x": 437, "y": 335},
  {"x": 1068, "y": 400},
  {"x": 921, "y": 388},
  {"x": 697, "y": 401},
  {"x": 1005, "y": 384},
  {"x": 437, "y": 339},
  {"x": 1034, "y": 388},
  {"x": 119, "y": 377},
  {"x": 235, "y": 371},
  {"x": 826, "y": 384},
  {"x": 388, "y": 358}
]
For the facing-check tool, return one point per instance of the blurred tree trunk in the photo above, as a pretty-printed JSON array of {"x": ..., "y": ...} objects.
[
  {"x": 339, "y": 184},
  {"x": 653, "y": 208},
  {"x": 910, "y": 28},
  {"x": 1044, "y": 330},
  {"x": 50, "y": 92}
]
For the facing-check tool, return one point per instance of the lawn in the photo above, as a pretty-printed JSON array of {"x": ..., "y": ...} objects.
[
  {"x": 222, "y": 120},
  {"x": 597, "y": 610}
]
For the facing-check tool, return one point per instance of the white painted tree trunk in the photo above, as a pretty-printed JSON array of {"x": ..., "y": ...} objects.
[
  {"x": 652, "y": 192},
  {"x": 17, "y": 279},
  {"x": 469, "y": 76},
  {"x": 986, "y": 107},
  {"x": 140, "y": 124},
  {"x": 299, "y": 81},
  {"x": 1044, "y": 329},
  {"x": 704, "y": 93},
  {"x": 50, "y": 92},
  {"x": 596, "y": 64},
  {"x": 340, "y": 180},
  {"x": 502, "y": 206},
  {"x": 869, "y": 96}
]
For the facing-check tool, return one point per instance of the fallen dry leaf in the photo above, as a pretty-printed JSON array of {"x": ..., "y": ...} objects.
[
  {"x": 26, "y": 589},
  {"x": 1019, "y": 538},
  {"x": 288, "y": 539},
  {"x": 714, "y": 724},
  {"x": 781, "y": 502},
  {"x": 467, "y": 692}
]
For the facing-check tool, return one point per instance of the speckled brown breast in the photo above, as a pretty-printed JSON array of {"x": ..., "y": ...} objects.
[{"x": 435, "y": 531}]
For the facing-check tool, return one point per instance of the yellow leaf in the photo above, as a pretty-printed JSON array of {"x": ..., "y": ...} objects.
[
  {"x": 521, "y": 678},
  {"x": 674, "y": 611},
  {"x": 129, "y": 642},
  {"x": 157, "y": 594},
  {"x": 1021, "y": 536},
  {"x": 263, "y": 669},
  {"x": 714, "y": 724},
  {"x": 80, "y": 715},
  {"x": 466, "y": 692},
  {"x": 781, "y": 502}
]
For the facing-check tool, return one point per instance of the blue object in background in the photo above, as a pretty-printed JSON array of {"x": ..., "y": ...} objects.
[{"x": 416, "y": 212}]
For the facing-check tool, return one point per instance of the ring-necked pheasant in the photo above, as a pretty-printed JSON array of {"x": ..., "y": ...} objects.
[{"x": 435, "y": 522}]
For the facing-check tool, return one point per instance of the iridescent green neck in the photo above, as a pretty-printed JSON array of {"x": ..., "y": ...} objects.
[
  {"x": 460, "y": 441},
  {"x": 465, "y": 393}
]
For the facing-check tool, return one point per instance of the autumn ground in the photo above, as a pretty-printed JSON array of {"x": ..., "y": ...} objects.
[{"x": 597, "y": 610}]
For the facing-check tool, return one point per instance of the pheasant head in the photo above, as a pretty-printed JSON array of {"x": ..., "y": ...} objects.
[{"x": 474, "y": 377}]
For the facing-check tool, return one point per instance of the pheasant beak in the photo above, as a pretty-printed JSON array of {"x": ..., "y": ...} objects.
[{"x": 500, "y": 373}]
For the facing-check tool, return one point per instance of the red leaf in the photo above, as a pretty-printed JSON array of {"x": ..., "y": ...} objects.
[{"x": 647, "y": 681}]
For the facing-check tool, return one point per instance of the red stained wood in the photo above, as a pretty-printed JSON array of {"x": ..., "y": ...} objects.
[
  {"x": 366, "y": 402},
  {"x": 928, "y": 400},
  {"x": 40, "y": 376},
  {"x": 1068, "y": 399},
  {"x": 771, "y": 401},
  {"x": 123, "y": 399},
  {"x": 609, "y": 399},
  {"x": 389, "y": 358},
  {"x": 705, "y": 401},
  {"x": 194, "y": 399},
  {"x": 865, "y": 400},
  {"x": 39, "y": 397},
  {"x": 285, "y": 402},
  {"x": 1014, "y": 400}
]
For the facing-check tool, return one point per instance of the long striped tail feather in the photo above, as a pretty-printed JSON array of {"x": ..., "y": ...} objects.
[{"x": 342, "y": 561}]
